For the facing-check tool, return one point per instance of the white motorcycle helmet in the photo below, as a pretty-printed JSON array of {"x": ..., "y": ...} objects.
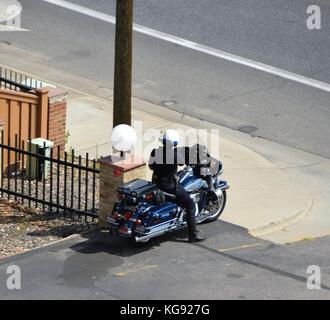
[{"x": 170, "y": 136}]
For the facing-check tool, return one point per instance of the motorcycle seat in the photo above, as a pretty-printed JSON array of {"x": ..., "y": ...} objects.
[{"x": 169, "y": 196}]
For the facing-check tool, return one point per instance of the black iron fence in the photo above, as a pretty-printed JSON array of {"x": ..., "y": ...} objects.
[
  {"x": 67, "y": 183},
  {"x": 16, "y": 81}
]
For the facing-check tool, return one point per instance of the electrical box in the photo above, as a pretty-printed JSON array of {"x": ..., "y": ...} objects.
[{"x": 38, "y": 167}]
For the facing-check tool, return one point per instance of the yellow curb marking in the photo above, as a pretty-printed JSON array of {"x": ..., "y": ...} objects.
[
  {"x": 241, "y": 247},
  {"x": 121, "y": 274}
]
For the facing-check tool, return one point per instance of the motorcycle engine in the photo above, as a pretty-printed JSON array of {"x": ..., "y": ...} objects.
[{"x": 195, "y": 196}]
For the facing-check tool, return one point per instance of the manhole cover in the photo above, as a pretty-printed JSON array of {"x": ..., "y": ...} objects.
[
  {"x": 247, "y": 129},
  {"x": 169, "y": 103}
]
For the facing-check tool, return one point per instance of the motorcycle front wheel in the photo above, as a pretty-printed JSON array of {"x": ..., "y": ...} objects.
[{"x": 216, "y": 207}]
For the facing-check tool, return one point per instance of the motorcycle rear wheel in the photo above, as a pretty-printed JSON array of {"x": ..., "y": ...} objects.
[{"x": 217, "y": 208}]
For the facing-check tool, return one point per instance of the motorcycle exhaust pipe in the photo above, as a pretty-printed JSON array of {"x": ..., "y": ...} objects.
[
  {"x": 150, "y": 236},
  {"x": 158, "y": 233}
]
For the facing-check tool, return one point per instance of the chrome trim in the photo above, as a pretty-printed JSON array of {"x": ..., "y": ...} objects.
[
  {"x": 147, "y": 237},
  {"x": 113, "y": 223},
  {"x": 128, "y": 233},
  {"x": 160, "y": 226},
  {"x": 222, "y": 184},
  {"x": 155, "y": 234},
  {"x": 218, "y": 192},
  {"x": 182, "y": 212},
  {"x": 170, "y": 195},
  {"x": 112, "y": 220},
  {"x": 140, "y": 229}
]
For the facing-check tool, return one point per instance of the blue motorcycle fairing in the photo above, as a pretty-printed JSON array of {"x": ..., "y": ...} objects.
[
  {"x": 192, "y": 183},
  {"x": 221, "y": 184}
]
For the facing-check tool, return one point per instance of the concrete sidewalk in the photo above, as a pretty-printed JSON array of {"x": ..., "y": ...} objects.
[{"x": 260, "y": 198}]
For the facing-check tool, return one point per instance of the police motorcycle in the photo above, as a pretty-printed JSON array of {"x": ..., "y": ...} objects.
[{"x": 143, "y": 211}]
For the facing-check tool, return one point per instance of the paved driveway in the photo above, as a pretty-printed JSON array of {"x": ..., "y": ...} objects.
[{"x": 229, "y": 265}]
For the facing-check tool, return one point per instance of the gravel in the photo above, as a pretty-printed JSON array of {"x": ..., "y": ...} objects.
[{"x": 23, "y": 229}]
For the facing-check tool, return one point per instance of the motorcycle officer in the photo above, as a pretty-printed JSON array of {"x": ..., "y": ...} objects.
[{"x": 164, "y": 162}]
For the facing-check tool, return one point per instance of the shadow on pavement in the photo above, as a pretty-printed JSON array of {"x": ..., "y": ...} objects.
[{"x": 102, "y": 241}]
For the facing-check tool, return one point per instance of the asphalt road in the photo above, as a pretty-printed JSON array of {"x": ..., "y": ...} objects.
[
  {"x": 268, "y": 31},
  {"x": 208, "y": 87},
  {"x": 229, "y": 265}
]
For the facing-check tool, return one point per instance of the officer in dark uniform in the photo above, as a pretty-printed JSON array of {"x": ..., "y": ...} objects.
[{"x": 164, "y": 162}]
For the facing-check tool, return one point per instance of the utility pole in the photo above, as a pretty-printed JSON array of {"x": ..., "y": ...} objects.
[{"x": 123, "y": 63}]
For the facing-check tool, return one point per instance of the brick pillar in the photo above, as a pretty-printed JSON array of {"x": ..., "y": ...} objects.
[
  {"x": 57, "y": 118},
  {"x": 113, "y": 174}
]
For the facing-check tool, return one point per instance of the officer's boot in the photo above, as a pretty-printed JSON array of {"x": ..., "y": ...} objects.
[
  {"x": 193, "y": 233},
  {"x": 196, "y": 238}
]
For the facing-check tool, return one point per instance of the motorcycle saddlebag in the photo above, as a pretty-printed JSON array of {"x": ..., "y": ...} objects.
[
  {"x": 138, "y": 190},
  {"x": 160, "y": 214}
]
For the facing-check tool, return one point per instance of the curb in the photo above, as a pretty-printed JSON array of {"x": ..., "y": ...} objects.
[{"x": 280, "y": 225}]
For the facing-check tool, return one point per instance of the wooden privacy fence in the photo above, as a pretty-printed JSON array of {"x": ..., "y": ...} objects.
[{"x": 24, "y": 115}]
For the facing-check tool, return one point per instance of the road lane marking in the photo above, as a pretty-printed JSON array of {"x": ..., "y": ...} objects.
[
  {"x": 241, "y": 247},
  {"x": 121, "y": 274},
  {"x": 196, "y": 46},
  {"x": 84, "y": 10}
]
